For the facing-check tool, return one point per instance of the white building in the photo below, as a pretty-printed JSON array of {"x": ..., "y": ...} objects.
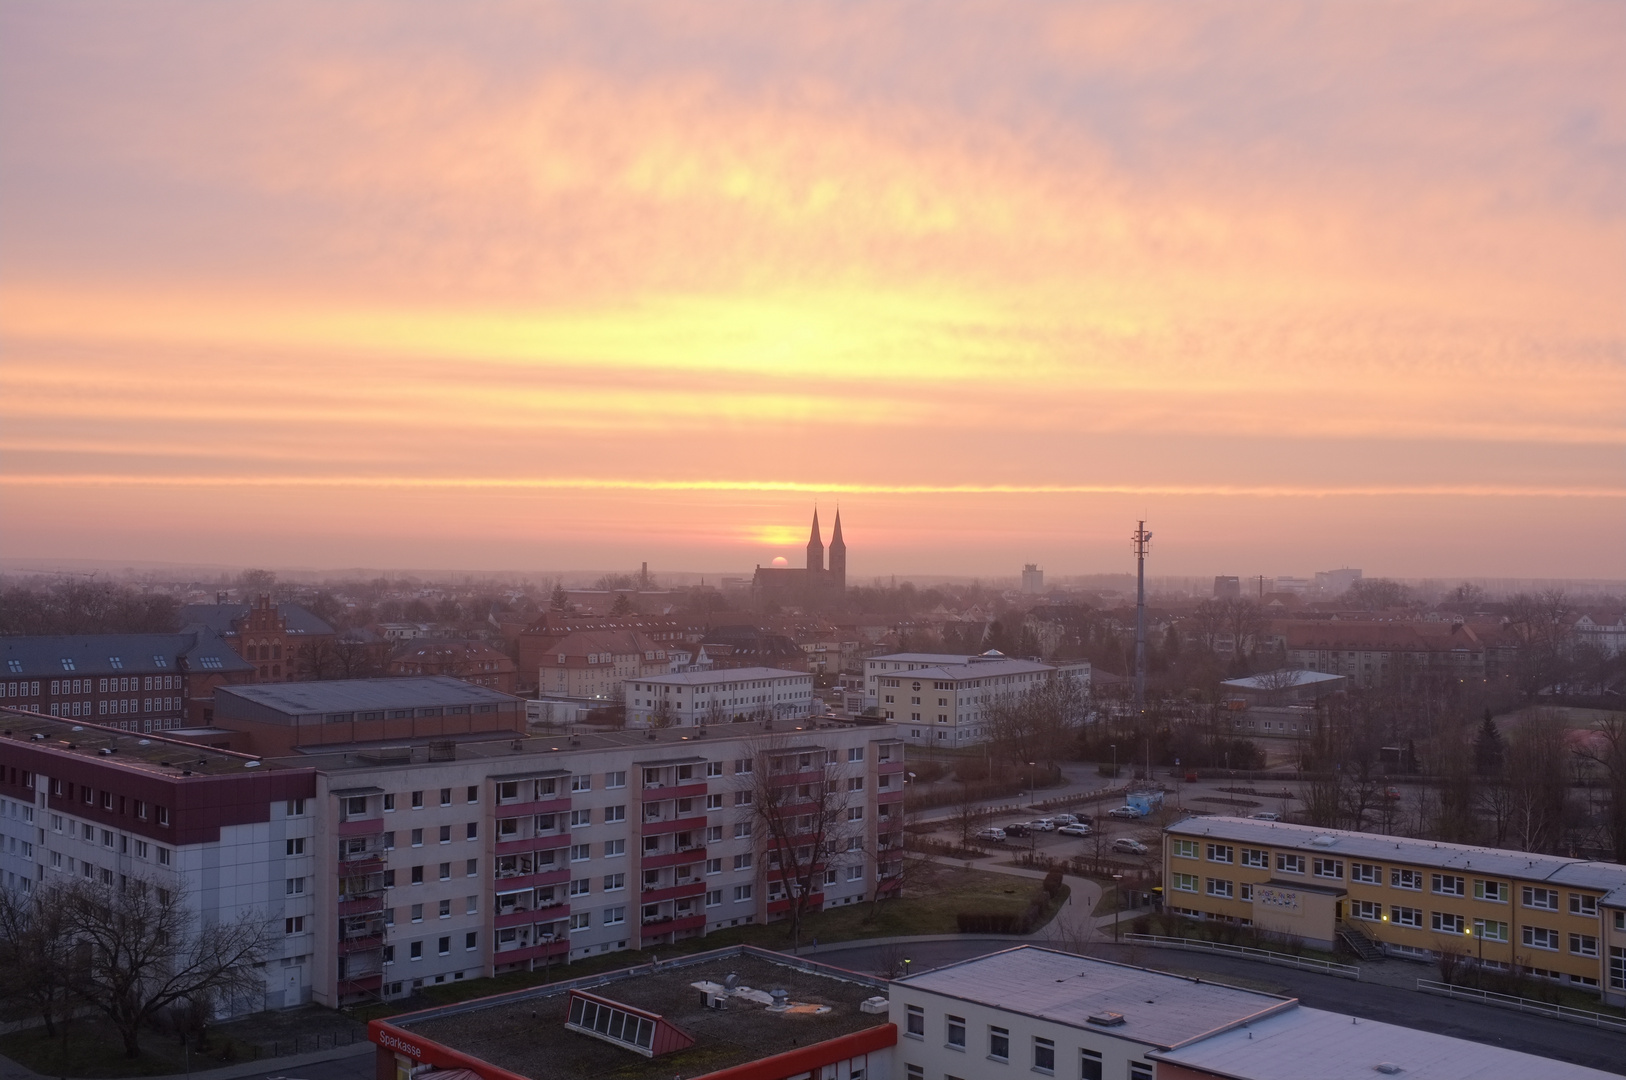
[
  {"x": 946, "y": 704},
  {"x": 1032, "y": 579},
  {"x": 694, "y": 698}
]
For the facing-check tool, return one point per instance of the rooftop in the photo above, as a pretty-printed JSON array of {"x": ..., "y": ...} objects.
[
  {"x": 126, "y": 749},
  {"x": 1529, "y": 865},
  {"x": 124, "y": 654},
  {"x": 1157, "y": 1009},
  {"x": 977, "y": 669},
  {"x": 1276, "y": 1047},
  {"x": 1286, "y": 679},
  {"x": 723, "y": 675},
  {"x": 345, "y": 695},
  {"x": 525, "y": 1033}
]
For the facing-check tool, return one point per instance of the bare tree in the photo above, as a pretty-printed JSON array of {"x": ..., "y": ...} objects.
[
  {"x": 800, "y": 800},
  {"x": 36, "y": 951},
  {"x": 1609, "y": 754},
  {"x": 1040, "y": 724},
  {"x": 969, "y": 814},
  {"x": 1538, "y": 777},
  {"x": 141, "y": 951}
]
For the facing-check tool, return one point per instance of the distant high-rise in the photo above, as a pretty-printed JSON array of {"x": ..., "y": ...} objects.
[
  {"x": 1336, "y": 582},
  {"x": 1032, "y": 579},
  {"x": 1227, "y": 588}
]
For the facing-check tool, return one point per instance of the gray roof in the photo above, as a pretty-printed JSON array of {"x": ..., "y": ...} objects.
[
  {"x": 982, "y": 669},
  {"x": 1527, "y": 865},
  {"x": 1311, "y": 1042},
  {"x": 112, "y": 654},
  {"x": 720, "y": 675},
  {"x": 1158, "y": 1009},
  {"x": 1286, "y": 679},
  {"x": 218, "y": 617},
  {"x": 345, "y": 695}
]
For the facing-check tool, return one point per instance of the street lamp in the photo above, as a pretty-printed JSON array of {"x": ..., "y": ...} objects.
[
  {"x": 1117, "y": 899},
  {"x": 1032, "y": 792},
  {"x": 1115, "y": 761}
]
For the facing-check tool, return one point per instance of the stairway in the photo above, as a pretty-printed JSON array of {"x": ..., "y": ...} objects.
[{"x": 1356, "y": 940}]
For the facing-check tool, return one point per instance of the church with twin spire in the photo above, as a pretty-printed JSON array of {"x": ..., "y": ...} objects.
[{"x": 813, "y": 586}]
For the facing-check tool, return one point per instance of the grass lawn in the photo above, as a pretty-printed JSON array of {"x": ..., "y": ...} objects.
[
  {"x": 90, "y": 1047},
  {"x": 931, "y": 900}
]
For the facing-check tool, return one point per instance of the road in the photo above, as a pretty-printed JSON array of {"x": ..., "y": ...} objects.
[{"x": 1538, "y": 1035}]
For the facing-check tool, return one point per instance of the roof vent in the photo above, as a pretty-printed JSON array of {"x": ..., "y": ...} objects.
[
  {"x": 1324, "y": 840},
  {"x": 1105, "y": 1019},
  {"x": 1387, "y": 1068}
]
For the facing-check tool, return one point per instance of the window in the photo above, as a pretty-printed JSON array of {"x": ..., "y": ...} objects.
[
  {"x": 1044, "y": 1055},
  {"x": 1448, "y": 885},
  {"x": 443, "y": 946},
  {"x": 474, "y": 793},
  {"x": 1490, "y": 930},
  {"x": 1539, "y": 937},
  {"x": 581, "y": 782},
  {"x": 1328, "y": 868},
  {"x": 1089, "y": 1065},
  {"x": 1221, "y": 853},
  {"x": 581, "y": 852},
  {"x": 417, "y": 875},
  {"x": 714, "y": 802},
  {"x": 416, "y": 951},
  {"x": 1406, "y": 916},
  {"x": 742, "y": 862},
  {"x": 295, "y": 925},
  {"x": 1185, "y": 849},
  {"x": 471, "y": 831},
  {"x": 1219, "y": 887},
  {"x": 1581, "y": 904},
  {"x": 914, "y": 1024},
  {"x": 581, "y": 920},
  {"x": 742, "y": 892},
  {"x": 1369, "y": 910},
  {"x": 1540, "y": 899},
  {"x": 1445, "y": 922},
  {"x": 446, "y": 834},
  {"x": 471, "y": 940},
  {"x": 1583, "y": 945},
  {"x": 581, "y": 887},
  {"x": 295, "y": 886},
  {"x": 615, "y": 882},
  {"x": 999, "y": 1043},
  {"x": 417, "y": 838},
  {"x": 1290, "y": 864},
  {"x": 742, "y": 829},
  {"x": 1256, "y": 858},
  {"x": 473, "y": 867},
  {"x": 614, "y": 916},
  {"x": 742, "y": 798},
  {"x": 956, "y": 1032},
  {"x": 1140, "y": 1070},
  {"x": 578, "y": 818},
  {"x": 1185, "y": 882},
  {"x": 742, "y": 766},
  {"x": 417, "y": 800},
  {"x": 612, "y": 848},
  {"x": 1617, "y": 967},
  {"x": 614, "y": 813},
  {"x": 714, "y": 898},
  {"x": 445, "y": 796},
  {"x": 446, "y": 909},
  {"x": 1400, "y": 878},
  {"x": 714, "y": 866},
  {"x": 296, "y": 846},
  {"x": 1494, "y": 891}
]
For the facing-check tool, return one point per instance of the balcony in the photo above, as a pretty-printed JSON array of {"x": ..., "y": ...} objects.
[
  {"x": 889, "y": 795},
  {"x": 371, "y": 862},
  {"x": 667, "y": 925},
  {"x": 372, "y": 826},
  {"x": 360, "y": 944},
  {"x": 524, "y": 917},
  {"x": 672, "y": 858},
  {"x": 889, "y": 766},
  {"x": 558, "y": 804},
  {"x": 675, "y": 824},
  {"x": 531, "y": 952},
  {"x": 366, "y": 904},
  {"x": 782, "y": 905},
  {"x": 522, "y": 844},
  {"x": 547, "y": 876},
  {"x": 680, "y": 891},
  {"x": 688, "y": 789}
]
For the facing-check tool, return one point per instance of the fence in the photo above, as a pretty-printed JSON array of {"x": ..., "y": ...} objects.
[
  {"x": 1304, "y": 963},
  {"x": 1508, "y": 1001},
  {"x": 304, "y": 1044}
]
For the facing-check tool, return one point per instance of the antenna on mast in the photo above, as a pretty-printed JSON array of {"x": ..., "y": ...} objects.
[{"x": 1143, "y": 541}]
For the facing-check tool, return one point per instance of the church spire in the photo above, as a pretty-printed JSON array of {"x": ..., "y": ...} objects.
[
  {"x": 815, "y": 545},
  {"x": 838, "y": 555}
]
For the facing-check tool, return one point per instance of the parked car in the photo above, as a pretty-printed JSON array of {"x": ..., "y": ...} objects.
[
  {"x": 994, "y": 834},
  {"x": 1018, "y": 828},
  {"x": 1065, "y": 819},
  {"x": 1126, "y": 846},
  {"x": 1043, "y": 824},
  {"x": 1077, "y": 828},
  {"x": 1266, "y": 815},
  {"x": 1124, "y": 812}
]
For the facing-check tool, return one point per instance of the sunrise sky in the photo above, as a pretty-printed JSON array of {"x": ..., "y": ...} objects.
[{"x": 581, "y": 285}]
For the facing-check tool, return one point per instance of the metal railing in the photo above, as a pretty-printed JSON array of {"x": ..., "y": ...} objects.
[
  {"x": 1508, "y": 1001},
  {"x": 1304, "y": 963}
]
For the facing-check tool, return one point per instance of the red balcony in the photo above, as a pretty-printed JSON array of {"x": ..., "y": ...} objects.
[
  {"x": 361, "y": 944},
  {"x": 807, "y": 776},
  {"x": 661, "y": 828},
  {"x": 361, "y": 827},
  {"x": 782, "y": 905},
  {"x": 559, "y": 804},
  {"x": 891, "y": 795},
  {"x": 526, "y": 918},
  {"x": 362, "y": 984},
  {"x": 528, "y": 881},
  {"x": 362, "y": 905},
  {"x": 693, "y": 789},
  {"x": 532, "y": 952},
  {"x": 660, "y": 928},
  {"x": 672, "y": 892},
  {"x": 533, "y": 843},
  {"x": 889, "y": 766},
  {"x": 672, "y": 858}
]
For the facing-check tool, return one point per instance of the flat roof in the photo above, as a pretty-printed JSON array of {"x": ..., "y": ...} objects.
[
  {"x": 701, "y": 678},
  {"x": 1286, "y": 679},
  {"x": 348, "y": 695},
  {"x": 154, "y": 753},
  {"x": 1528, "y": 865},
  {"x": 982, "y": 669},
  {"x": 1158, "y": 1009},
  {"x": 524, "y": 1032},
  {"x": 1329, "y": 1046}
]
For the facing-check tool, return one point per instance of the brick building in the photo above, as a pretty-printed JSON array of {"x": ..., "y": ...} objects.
[
  {"x": 474, "y": 662},
  {"x": 272, "y": 637}
]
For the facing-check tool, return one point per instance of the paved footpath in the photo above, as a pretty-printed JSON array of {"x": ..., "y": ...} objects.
[{"x": 353, "y": 1062}]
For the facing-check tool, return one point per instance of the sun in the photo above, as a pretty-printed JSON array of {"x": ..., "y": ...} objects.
[{"x": 780, "y": 560}]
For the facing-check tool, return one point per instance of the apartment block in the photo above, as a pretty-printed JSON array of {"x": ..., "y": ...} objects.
[
  {"x": 1557, "y": 918},
  {"x": 939, "y": 700},
  {"x": 693, "y": 698}
]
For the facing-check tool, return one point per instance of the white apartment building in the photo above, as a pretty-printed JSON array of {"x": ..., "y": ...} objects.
[
  {"x": 946, "y": 703},
  {"x": 726, "y": 695}
]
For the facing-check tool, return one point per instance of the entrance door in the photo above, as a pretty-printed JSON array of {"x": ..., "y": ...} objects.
[{"x": 291, "y": 985}]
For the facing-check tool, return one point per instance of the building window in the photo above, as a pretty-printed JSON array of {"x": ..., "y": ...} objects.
[
  {"x": 914, "y": 1024},
  {"x": 1219, "y": 887},
  {"x": 1583, "y": 945},
  {"x": 613, "y": 814},
  {"x": 1220, "y": 853},
  {"x": 1256, "y": 858},
  {"x": 1369, "y": 910},
  {"x": 1581, "y": 904},
  {"x": 1044, "y": 1055},
  {"x": 999, "y": 1043},
  {"x": 1494, "y": 891},
  {"x": 1185, "y": 883},
  {"x": 295, "y": 925},
  {"x": 417, "y": 800},
  {"x": 1539, "y": 937},
  {"x": 742, "y": 892},
  {"x": 296, "y": 846},
  {"x": 1328, "y": 868},
  {"x": 956, "y": 1032},
  {"x": 1089, "y": 1065},
  {"x": 416, "y": 951},
  {"x": 1448, "y": 885},
  {"x": 295, "y": 886},
  {"x": 1490, "y": 930},
  {"x": 1290, "y": 864},
  {"x": 613, "y": 848},
  {"x": 1445, "y": 922},
  {"x": 1540, "y": 899},
  {"x": 1400, "y": 878},
  {"x": 581, "y": 782},
  {"x": 1617, "y": 967},
  {"x": 1140, "y": 1070},
  {"x": 1185, "y": 849},
  {"x": 1406, "y": 916}
]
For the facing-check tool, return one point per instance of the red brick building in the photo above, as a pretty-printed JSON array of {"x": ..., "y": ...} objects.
[{"x": 472, "y": 661}]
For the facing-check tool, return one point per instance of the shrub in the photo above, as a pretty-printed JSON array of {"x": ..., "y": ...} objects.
[{"x": 1052, "y": 883}]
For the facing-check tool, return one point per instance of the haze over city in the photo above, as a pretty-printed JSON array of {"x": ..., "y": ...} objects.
[{"x": 561, "y": 286}]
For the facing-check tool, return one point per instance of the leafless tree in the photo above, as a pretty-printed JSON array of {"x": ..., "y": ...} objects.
[
  {"x": 141, "y": 950},
  {"x": 801, "y": 802},
  {"x": 662, "y": 716},
  {"x": 36, "y": 951},
  {"x": 1041, "y": 724},
  {"x": 1537, "y": 774},
  {"x": 1608, "y": 752},
  {"x": 969, "y": 814}
]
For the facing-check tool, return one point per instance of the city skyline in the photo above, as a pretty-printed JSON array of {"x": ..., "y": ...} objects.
[{"x": 517, "y": 287}]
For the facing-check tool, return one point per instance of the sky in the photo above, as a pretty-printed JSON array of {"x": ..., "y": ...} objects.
[{"x": 513, "y": 286}]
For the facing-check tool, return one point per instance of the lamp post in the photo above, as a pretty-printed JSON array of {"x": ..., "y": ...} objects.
[
  {"x": 1032, "y": 786},
  {"x": 1115, "y": 761},
  {"x": 1117, "y": 899}
]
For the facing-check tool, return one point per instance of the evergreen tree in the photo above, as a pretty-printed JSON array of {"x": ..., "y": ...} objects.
[{"x": 1489, "y": 751}]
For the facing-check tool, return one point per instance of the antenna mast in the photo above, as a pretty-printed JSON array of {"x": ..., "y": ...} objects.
[{"x": 1143, "y": 540}]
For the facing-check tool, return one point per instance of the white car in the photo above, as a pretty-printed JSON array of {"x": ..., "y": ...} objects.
[
  {"x": 1075, "y": 829},
  {"x": 1125, "y": 812},
  {"x": 1043, "y": 824},
  {"x": 995, "y": 835},
  {"x": 1266, "y": 815},
  {"x": 1126, "y": 846},
  {"x": 1065, "y": 819}
]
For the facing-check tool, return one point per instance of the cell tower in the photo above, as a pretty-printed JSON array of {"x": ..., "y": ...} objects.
[{"x": 1143, "y": 540}]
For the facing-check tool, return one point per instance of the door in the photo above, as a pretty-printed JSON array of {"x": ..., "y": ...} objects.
[{"x": 291, "y": 986}]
